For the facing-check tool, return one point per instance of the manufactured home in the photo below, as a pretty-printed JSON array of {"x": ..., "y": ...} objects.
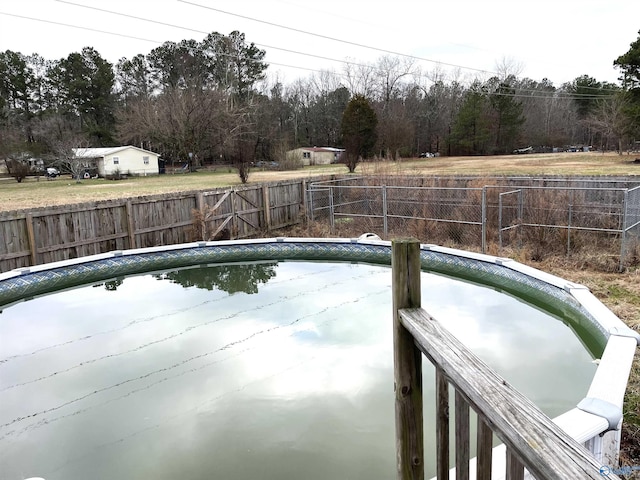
[
  {"x": 315, "y": 155},
  {"x": 126, "y": 160}
]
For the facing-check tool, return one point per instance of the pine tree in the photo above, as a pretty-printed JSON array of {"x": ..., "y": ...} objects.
[
  {"x": 359, "y": 122},
  {"x": 629, "y": 64}
]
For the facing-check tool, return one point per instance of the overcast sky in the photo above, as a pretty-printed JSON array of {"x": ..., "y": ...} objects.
[{"x": 556, "y": 39}]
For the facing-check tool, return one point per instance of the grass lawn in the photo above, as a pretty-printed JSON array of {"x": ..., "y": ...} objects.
[{"x": 37, "y": 192}]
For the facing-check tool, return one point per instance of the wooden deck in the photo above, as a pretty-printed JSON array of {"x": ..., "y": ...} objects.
[{"x": 532, "y": 440}]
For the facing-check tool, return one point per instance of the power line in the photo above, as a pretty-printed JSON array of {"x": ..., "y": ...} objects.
[
  {"x": 326, "y": 37},
  {"x": 136, "y": 38},
  {"x": 535, "y": 93},
  {"x": 78, "y": 27},
  {"x": 172, "y": 25},
  {"x": 295, "y": 30},
  {"x": 157, "y": 22}
]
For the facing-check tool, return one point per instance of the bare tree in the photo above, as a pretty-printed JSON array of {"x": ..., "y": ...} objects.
[
  {"x": 396, "y": 129},
  {"x": 183, "y": 124},
  {"x": 393, "y": 75},
  {"x": 610, "y": 120},
  {"x": 240, "y": 138},
  {"x": 240, "y": 153},
  {"x": 299, "y": 96},
  {"x": 70, "y": 156},
  {"x": 434, "y": 108},
  {"x": 390, "y": 72},
  {"x": 508, "y": 67},
  {"x": 360, "y": 78},
  {"x": 60, "y": 137}
]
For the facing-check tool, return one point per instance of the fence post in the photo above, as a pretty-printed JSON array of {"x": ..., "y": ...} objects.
[
  {"x": 407, "y": 369},
  {"x": 332, "y": 220},
  {"x": 32, "y": 239},
  {"x": 310, "y": 214},
  {"x": 267, "y": 207},
  {"x": 200, "y": 202},
  {"x": 499, "y": 221},
  {"x": 520, "y": 216},
  {"x": 234, "y": 216},
  {"x": 130, "y": 224},
  {"x": 305, "y": 206},
  {"x": 384, "y": 211},
  {"x": 484, "y": 219},
  {"x": 569, "y": 230},
  {"x": 623, "y": 240}
]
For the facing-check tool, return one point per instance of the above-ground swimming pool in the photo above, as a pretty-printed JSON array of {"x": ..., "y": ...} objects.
[{"x": 254, "y": 369}]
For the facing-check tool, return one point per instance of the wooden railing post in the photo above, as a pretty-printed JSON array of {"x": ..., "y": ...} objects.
[
  {"x": 442, "y": 425},
  {"x": 462, "y": 437},
  {"x": 407, "y": 370},
  {"x": 515, "y": 469},
  {"x": 485, "y": 449}
]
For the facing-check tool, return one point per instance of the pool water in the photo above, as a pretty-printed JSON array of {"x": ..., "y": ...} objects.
[{"x": 261, "y": 370}]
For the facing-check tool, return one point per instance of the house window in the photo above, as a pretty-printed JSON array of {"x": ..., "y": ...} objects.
[
  {"x": 306, "y": 154},
  {"x": 116, "y": 160},
  {"x": 145, "y": 160}
]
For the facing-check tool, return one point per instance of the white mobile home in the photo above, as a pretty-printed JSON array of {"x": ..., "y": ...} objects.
[
  {"x": 127, "y": 160},
  {"x": 316, "y": 155}
]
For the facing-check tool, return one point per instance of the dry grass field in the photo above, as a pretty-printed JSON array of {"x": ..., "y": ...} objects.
[
  {"x": 36, "y": 192},
  {"x": 619, "y": 291}
]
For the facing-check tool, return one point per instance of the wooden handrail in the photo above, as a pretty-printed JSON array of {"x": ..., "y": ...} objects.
[{"x": 532, "y": 438}]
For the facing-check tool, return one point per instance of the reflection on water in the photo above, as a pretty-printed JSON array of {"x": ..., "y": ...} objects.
[
  {"x": 228, "y": 278},
  {"x": 263, "y": 370}
]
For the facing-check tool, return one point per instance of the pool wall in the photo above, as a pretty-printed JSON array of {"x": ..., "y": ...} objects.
[{"x": 595, "y": 421}]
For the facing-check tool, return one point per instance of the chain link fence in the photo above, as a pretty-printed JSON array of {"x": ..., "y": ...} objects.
[
  {"x": 631, "y": 229},
  {"x": 545, "y": 219}
]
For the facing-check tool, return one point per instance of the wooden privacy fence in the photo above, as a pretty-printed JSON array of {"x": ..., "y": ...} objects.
[
  {"x": 32, "y": 237},
  {"x": 532, "y": 440}
]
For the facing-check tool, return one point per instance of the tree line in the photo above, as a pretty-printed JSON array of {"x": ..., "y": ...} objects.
[{"x": 212, "y": 101}]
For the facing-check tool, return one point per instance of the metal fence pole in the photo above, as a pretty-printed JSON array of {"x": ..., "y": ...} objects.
[
  {"x": 499, "y": 221},
  {"x": 331, "y": 212},
  {"x": 484, "y": 219},
  {"x": 623, "y": 242},
  {"x": 310, "y": 213},
  {"x": 569, "y": 230},
  {"x": 384, "y": 211},
  {"x": 520, "y": 216}
]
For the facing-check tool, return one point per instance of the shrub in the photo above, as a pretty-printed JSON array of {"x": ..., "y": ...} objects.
[{"x": 18, "y": 170}]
